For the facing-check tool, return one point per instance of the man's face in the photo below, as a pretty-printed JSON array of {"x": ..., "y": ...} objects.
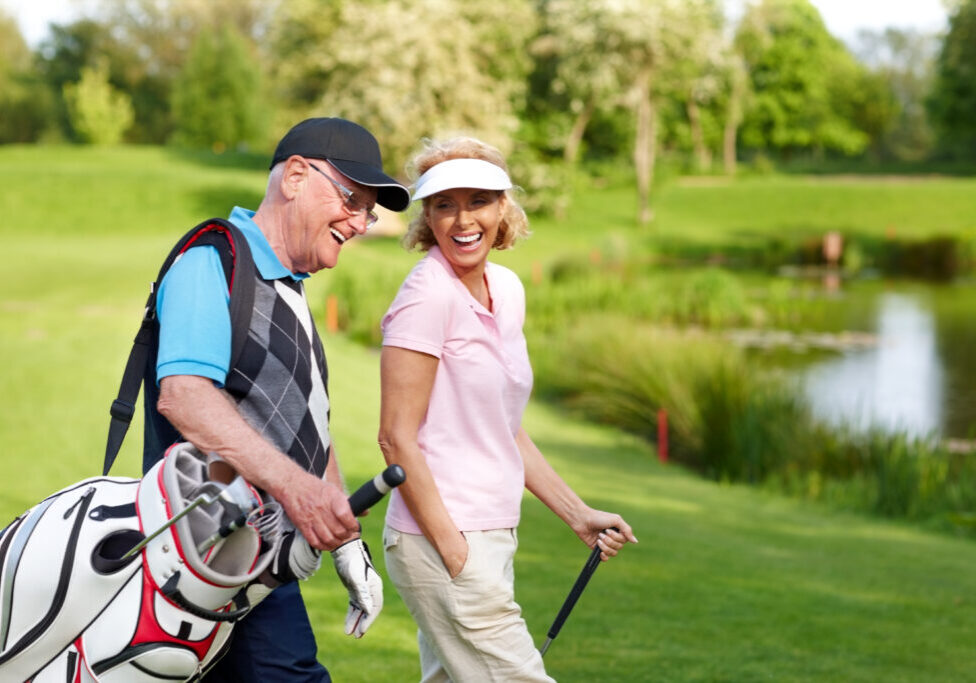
[{"x": 336, "y": 209}]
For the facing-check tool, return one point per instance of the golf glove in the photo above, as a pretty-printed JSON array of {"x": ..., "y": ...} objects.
[
  {"x": 354, "y": 565},
  {"x": 295, "y": 559}
]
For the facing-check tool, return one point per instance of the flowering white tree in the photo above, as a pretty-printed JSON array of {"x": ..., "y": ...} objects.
[
  {"x": 406, "y": 69},
  {"x": 612, "y": 53}
]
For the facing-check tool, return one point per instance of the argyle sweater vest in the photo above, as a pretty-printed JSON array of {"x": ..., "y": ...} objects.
[{"x": 280, "y": 382}]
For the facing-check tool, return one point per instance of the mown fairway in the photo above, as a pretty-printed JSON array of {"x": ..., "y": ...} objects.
[{"x": 727, "y": 583}]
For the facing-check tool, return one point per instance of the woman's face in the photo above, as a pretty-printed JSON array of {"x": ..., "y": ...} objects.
[{"x": 465, "y": 224}]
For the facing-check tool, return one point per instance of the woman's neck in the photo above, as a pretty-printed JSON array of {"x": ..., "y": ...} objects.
[{"x": 476, "y": 282}]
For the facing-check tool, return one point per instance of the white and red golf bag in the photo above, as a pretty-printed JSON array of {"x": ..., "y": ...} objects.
[{"x": 118, "y": 579}]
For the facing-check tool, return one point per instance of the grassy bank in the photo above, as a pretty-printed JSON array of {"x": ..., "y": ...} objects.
[{"x": 728, "y": 582}]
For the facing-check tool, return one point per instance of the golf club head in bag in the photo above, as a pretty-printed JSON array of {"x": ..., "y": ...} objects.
[{"x": 119, "y": 579}]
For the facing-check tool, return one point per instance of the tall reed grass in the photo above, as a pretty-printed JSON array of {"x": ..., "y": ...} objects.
[
  {"x": 731, "y": 420},
  {"x": 725, "y": 419},
  {"x": 892, "y": 475}
]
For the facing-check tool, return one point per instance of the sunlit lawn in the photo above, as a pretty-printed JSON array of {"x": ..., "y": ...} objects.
[{"x": 728, "y": 583}]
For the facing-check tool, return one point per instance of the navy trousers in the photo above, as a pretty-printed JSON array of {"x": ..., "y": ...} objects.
[{"x": 272, "y": 644}]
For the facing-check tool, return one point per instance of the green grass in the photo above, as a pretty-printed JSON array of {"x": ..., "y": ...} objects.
[
  {"x": 875, "y": 206},
  {"x": 727, "y": 583}
]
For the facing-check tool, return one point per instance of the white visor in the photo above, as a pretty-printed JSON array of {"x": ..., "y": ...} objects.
[{"x": 447, "y": 175}]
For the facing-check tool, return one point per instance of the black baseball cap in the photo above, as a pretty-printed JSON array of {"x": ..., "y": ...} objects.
[{"x": 350, "y": 148}]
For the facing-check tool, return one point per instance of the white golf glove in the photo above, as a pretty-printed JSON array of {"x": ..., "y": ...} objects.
[
  {"x": 355, "y": 568},
  {"x": 295, "y": 559}
]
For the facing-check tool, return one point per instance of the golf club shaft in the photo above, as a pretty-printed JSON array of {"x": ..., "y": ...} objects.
[
  {"x": 592, "y": 562},
  {"x": 200, "y": 500}
]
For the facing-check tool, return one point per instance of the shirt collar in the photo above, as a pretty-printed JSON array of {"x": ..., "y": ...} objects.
[
  {"x": 435, "y": 253},
  {"x": 267, "y": 262}
]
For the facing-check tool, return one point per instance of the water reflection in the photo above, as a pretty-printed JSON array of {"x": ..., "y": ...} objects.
[{"x": 896, "y": 385}]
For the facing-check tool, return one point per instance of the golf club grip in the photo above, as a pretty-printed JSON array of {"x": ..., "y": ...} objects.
[
  {"x": 370, "y": 493},
  {"x": 592, "y": 562}
]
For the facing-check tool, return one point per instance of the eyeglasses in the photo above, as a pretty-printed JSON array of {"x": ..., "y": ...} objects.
[{"x": 353, "y": 206}]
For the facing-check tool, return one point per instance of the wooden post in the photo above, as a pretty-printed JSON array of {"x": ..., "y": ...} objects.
[
  {"x": 536, "y": 273},
  {"x": 332, "y": 314},
  {"x": 662, "y": 435}
]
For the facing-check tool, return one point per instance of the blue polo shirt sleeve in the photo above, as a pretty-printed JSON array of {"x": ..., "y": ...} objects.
[{"x": 194, "y": 318}]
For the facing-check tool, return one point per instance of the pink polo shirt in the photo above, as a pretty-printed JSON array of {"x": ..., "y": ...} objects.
[{"x": 481, "y": 388}]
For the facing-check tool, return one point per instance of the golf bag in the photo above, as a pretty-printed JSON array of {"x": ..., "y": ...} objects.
[{"x": 76, "y": 604}]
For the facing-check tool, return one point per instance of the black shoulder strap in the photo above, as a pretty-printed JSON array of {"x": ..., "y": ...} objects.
[{"x": 239, "y": 270}]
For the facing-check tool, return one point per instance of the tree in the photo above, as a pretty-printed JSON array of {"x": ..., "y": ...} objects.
[
  {"x": 952, "y": 104},
  {"x": 63, "y": 55},
  {"x": 145, "y": 44},
  {"x": 24, "y": 104},
  {"x": 218, "y": 100},
  {"x": 737, "y": 94},
  {"x": 696, "y": 76},
  {"x": 904, "y": 60},
  {"x": 623, "y": 53},
  {"x": 800, "y": 77},
  {"x": 99, "y": 113},
  {"x": 406, "y": 68},
  {"x": 581, "y": 66},
  {"x": 865, "y": 99}
]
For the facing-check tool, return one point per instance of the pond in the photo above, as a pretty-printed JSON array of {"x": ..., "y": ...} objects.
[{"x": 916, "y": 372}]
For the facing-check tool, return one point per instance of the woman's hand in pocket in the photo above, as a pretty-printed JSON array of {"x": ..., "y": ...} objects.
[{"x": 455, "y": 555}]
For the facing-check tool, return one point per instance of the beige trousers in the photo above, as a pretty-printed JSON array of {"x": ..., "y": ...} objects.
[{"x": 470, "y": 627}]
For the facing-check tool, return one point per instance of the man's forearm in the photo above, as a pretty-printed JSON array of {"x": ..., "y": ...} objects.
[{"x": 210, "y": 421}]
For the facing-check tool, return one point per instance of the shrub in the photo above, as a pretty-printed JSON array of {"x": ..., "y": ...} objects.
[
  {"x": 99, "y": 113},
  {"x": 577, "y": 287}
]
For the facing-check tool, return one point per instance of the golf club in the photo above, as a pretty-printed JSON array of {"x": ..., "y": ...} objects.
[
  {"x": 363, "y": 498},
  {"x": 373, "y": 490},
  {"x": 592, "y": 562}
]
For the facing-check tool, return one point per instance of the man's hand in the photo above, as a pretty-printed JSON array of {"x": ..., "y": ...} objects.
[
  {"x": 355, "y": 568},
  {"x": 318, "y": 509},
  {"x": 209, "y": 420}
]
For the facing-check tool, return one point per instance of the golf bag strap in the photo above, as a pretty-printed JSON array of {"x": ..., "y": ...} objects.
[
  {"x": 239, "y": 271},
  {"x": 170, "y": 590}
]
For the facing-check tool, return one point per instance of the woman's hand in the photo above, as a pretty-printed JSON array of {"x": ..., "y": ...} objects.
[
  {"x": 455, "y": 555},
  {"x": 604, "y": 529}
]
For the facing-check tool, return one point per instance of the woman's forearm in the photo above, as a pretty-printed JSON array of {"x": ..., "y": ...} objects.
[{"x": 407, "y": 379}]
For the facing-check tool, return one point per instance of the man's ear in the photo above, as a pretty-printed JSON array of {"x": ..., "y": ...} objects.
[{"x": 294, "y": 174}]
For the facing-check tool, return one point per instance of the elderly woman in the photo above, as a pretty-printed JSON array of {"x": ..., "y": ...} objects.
[{"x": 455, "y": 381}]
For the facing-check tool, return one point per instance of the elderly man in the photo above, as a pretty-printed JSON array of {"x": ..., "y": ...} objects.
[{"x": 268, "y": 416}]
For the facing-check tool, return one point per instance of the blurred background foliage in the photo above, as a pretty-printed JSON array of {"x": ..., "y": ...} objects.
[{"x": 558, "y": 84}]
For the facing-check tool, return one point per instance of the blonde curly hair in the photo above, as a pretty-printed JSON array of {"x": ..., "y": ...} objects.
[{"x": 514, "y": 224}]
